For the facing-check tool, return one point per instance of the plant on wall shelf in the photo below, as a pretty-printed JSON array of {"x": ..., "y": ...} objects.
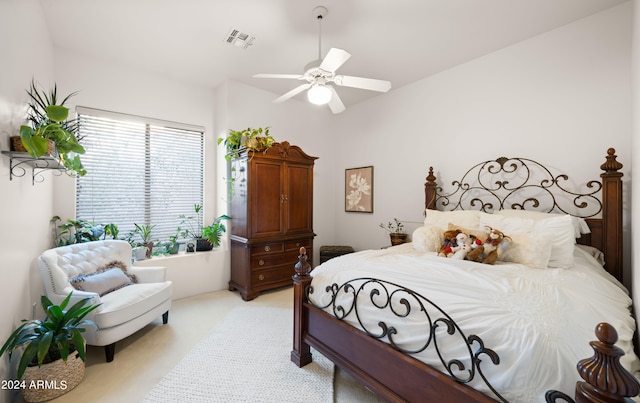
[
  {"x": 257, "y": 139},
  {"x": 49, "y": 122}
]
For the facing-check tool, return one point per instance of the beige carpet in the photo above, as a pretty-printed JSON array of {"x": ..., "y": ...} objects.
[{"x": 246, "y": 359}]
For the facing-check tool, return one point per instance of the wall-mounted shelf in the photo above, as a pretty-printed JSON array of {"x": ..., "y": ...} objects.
[{"x": 21, "y": 163}]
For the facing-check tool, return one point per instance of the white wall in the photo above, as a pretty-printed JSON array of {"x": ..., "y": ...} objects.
[
  {"x": 561, "y": 98},
  {"x": 25, "y": 210}
]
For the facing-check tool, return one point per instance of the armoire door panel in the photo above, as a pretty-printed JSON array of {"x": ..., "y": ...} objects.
[
  {"x": 299, "y": 191},
  {"x": 266, "y": 199}
]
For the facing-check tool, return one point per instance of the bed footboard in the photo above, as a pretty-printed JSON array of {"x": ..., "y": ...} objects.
[{"x": 388, "y": 371}]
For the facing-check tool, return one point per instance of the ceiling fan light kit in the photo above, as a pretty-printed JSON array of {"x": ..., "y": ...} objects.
[
  {"x": 318, "y": 94},
  {"x": 319, "y": 73}
]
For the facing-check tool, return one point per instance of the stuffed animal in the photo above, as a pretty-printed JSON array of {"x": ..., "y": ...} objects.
[
  {"x": 464, "y": 245},
  {"x": 491, "y": 248},
  {"x": 449, "y": 242}
]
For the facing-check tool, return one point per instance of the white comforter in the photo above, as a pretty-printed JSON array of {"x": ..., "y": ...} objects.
[{"x": 539, "y": 322}]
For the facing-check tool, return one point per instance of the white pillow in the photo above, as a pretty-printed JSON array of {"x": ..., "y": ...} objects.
[
  {"x": 560, "y": 231},
  {"x": 462, "y": 218},
  {"x": 508, "y": 225},
  {"x": 580, "y": 226},
  {"x": 533, "y": 250},
  {"x": 557, "y": 228},
  {"x": 427, "y": 238}
]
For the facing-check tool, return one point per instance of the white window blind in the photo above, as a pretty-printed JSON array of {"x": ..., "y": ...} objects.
[{"x": 139, "y": 171}]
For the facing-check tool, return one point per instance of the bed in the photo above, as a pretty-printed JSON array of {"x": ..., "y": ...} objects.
[{"x": 414, "y": 326}]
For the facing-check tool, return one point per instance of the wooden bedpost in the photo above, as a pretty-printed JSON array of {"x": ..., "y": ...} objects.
[
  {"x": 605, "y": 379},
  {"x": 612, "y": 214},
  {"x": 301, "y": 353},
  {"x": 430, "y": 191}
]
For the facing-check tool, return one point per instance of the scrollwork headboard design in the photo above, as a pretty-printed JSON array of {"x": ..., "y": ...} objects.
[{"x": 521, "y": 183}]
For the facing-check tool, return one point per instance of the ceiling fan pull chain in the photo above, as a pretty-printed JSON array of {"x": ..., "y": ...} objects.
[{"x": 320, "y": 37}]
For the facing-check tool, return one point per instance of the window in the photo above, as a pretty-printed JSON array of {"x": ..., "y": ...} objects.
[{"x": 139, "y": 170}]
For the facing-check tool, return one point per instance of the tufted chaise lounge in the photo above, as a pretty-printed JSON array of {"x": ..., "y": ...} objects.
[{"x": 123, "y": 311}]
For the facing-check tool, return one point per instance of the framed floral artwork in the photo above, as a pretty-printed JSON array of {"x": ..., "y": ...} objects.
[{"x": 358, "y": 190}]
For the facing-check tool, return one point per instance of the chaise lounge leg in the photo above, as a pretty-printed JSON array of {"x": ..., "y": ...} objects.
[
  {"x": 110, "y": 351},
  {"x": 165, "y": 318}
]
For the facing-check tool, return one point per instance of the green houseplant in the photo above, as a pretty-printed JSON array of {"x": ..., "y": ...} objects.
[
  {"x": 78, "y": 231},
  {"x": 48, "y": 342},
  {"x": 206, "y": 237},
  {"x": 144, "y": 231},
  {"x": 48, "y": 122},
  {"x": 254, "y": 139}
]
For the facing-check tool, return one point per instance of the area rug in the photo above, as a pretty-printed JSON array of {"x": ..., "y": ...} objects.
[{"x": 246, "y": 358}]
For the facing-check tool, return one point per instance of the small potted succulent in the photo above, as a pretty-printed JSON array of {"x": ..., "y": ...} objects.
[{"x": 396, "y": 231}]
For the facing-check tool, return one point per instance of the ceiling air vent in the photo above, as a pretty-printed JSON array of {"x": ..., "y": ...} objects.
[{"x": 239, "y": 39}]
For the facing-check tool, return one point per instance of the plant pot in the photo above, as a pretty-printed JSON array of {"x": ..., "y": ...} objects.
[
  {"x": 173, "y": 248},
  {"x": 203, "y": 245},
  {"x": 149, "y": 247},
  {"x": 397, "y": 238},
  {"x": 139, "y": 253},
  {"x": 16, "y": 145},
  {"x": 53, "y": 379}
]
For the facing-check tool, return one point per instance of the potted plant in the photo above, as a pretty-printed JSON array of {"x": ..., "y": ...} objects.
[
  {"x": 79, "y": 231},
  {"x": 213, "y": 233},
  {"x": 137, "y": 252},
  {"x": 173, "y": 245},
  {"x": 144, "y": 232},
  {"x": 52, "y": 349},
  {"x": 396, "y": 232},
  {"x": 49, "y": 123},
  {"x": 206, "y": 237},
  {"x": 257, "y": 139}
]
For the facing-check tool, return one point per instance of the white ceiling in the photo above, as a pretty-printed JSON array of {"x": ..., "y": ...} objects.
[{"x": 397, "y": 40}]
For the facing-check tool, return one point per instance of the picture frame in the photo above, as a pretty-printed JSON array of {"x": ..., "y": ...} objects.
[{"x": 358, "y": 190}]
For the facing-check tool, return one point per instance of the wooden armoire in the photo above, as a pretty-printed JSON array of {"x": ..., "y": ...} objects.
[{"x": 271, "y": 213}]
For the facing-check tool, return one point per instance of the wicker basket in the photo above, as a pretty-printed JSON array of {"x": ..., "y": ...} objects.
[
  {"x": 16, "y": 145},
  {"x": 52, "y": 380}
]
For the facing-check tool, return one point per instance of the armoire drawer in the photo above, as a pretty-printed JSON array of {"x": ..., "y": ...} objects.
[
  {"x": 266, "y": 261},
  {"x": 269, "y": 276},
  {"x": 296, "y": 244},
  {"x": 266, "y": 248}
]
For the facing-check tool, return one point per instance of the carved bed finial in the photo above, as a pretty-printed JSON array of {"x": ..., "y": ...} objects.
[
  {"x": 606, "y": 379},
  {"x": 431, "y": 177},
  {"x": 303, "y": 268},
  {"x": 611, "y": 166}
]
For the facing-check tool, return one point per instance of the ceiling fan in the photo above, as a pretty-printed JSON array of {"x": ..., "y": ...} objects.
[{"x": 320, "y": 73}]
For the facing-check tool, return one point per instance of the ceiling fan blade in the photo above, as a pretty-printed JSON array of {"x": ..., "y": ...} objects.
[
  {"x": 335, "y": 103},
  {"x": 292, "y": 93},
  {"x": 294, "y": 76},
  {"x": 334, "y": 59},
  {"x": 364, "y": 83}
]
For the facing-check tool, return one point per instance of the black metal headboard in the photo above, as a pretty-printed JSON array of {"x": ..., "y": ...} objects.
[
  {"x": 521, "y": 183},
  {"x": 518, "y": 183}
]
